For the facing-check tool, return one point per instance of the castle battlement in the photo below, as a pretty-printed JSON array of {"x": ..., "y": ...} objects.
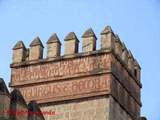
[
  {"x": 110, "y": 75},
  {"x": 110, "y": 42}
]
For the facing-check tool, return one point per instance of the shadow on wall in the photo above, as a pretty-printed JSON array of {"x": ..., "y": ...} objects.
[{"x": 14, "y": 107}]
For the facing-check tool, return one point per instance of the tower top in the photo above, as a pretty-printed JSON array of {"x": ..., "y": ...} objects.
[{"x": 110, "y": 73}]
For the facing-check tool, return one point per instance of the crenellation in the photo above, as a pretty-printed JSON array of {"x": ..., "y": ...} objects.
[
  {"x": 89, "y": 41},
  {"x": 124, "y": 53},
  {"x": 36, "y": 49},
  {"x": 118, "y": 46},
  {"x": 112, "y": 71},
  {"x": 19, "y": 51},
  {"x": 53, "y": 46},
  {"x": 137, "y": 70},
  {"x": 107, "y": 38},
  {"x": 109, "y": 41},
  {"x": 131, "y": 63},
  {"x": 71, "y": 44}
]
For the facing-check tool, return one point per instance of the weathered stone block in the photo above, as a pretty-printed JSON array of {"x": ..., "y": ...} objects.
[
  {"x": 137, "y": 70},
  {"x": 96, "y": 109},
  {"x": 89, "y": 41},
  {"x": 19, "y": 51},
  {"x": 131, "y": 63},
  {"x": 53, "y": 46},
  {"x": 53, "y": 50},
  {"x": 118, "y": 46},
  {"x": 36, "y": 49},
  {"x": 124, "y": 54},
  {"x": 71, "y": 44},
  {"x": 116, "y": 112},
  {"x": 107, "y": 39}
]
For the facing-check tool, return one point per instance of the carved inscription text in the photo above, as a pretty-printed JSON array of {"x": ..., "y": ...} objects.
[
  {"x": 61, "y": 69},
  {"x": 81, "y": 86}
]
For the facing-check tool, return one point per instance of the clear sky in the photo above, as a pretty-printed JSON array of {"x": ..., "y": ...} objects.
[{"x": 136, "y": 21}]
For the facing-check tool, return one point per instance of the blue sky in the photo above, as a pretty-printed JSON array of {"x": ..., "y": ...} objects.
[{"x": 136, "y": 21}]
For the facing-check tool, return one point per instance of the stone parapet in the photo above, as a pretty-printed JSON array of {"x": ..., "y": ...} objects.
[
  {"x": 13, "y": 105},
  {"x": 4, "y": 100},
  {"x": 109, "y": 41},
  {"x": 109, "y": 71}
]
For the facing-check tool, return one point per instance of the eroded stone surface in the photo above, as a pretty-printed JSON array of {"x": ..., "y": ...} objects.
[
  {"x": 73, "y": 85},
  {"x": 96, "y": 108},
  {"x": 76, "y": 88}
]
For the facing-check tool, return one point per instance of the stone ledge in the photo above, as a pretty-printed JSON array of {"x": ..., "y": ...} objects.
[{"x": 60, "y": 58}]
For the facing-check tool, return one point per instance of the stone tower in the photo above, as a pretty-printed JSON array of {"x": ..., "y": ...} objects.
[{"x": 94, "y": 84}]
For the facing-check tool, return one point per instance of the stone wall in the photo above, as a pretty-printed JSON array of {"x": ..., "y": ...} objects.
[
  {"x": 61, "y": 82},
  {"x": 14, "y": 107},
  {"x": 95, "y": 108},
  {"x": 117, "y": 112}
]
